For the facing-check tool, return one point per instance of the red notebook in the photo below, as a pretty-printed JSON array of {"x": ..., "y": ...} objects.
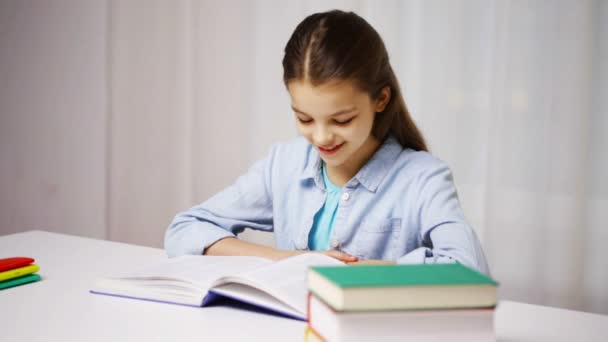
[{"x": 12, "y": 263}]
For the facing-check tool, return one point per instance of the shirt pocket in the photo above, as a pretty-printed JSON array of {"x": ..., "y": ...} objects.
[{"x": 377, "y": 238}]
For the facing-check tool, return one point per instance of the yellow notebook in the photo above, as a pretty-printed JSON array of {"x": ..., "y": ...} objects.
[{"x": 19, "y": 272}]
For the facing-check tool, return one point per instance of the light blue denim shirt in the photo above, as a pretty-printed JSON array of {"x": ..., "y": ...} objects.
[{"x": 402, "y": 205}]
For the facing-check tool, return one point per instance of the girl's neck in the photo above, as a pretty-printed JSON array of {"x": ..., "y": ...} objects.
[{"x": 343, "y": 173}]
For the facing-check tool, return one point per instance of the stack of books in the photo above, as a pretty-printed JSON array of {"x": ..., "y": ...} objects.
[
  {"x": 17, "y": 271},
  {"x": 438, "y": 302}
]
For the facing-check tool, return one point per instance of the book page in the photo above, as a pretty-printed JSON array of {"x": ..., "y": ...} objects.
[
  {"x": 251, "y": 295},
  {"x": 284, "y": 279},
  {"x": 183, "y": 280},
  {"x": 200, "y": 270}
]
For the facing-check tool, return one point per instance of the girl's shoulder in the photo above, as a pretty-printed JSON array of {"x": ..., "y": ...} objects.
[
  {"x": 400, "y": 159},
  {"x": 419, "y": 160},
  {"x": 421, "y": 166}
]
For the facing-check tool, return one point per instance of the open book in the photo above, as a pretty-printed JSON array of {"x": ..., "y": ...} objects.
[{"x": 196, "y": 280}]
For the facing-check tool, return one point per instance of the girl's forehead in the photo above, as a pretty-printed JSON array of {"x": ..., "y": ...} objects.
[
  {"x": 328, "y": 93},
  {"x": 324, "y": 100}
]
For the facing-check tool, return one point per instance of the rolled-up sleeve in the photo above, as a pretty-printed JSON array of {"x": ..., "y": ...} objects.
[
  {"x": 245, "y": 204},
  {"x": 444, "y": 235}
]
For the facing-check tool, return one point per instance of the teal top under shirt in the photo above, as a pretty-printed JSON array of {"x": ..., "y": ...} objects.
[{"x": 323, "y": 225}]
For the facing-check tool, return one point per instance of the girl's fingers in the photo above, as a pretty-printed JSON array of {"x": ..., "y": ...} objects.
[{"x": 342, "y": 256}]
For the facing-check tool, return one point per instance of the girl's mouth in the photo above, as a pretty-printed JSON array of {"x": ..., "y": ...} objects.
[{"x": 330, "y": 151}]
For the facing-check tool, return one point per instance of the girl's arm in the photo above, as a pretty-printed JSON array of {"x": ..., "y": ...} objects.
[
  {"x": 211, "y": 227},
  {"x": 233, "y": 246},
  {"x": 245, "y": 204},
  {"x": 444, "y": 233}
]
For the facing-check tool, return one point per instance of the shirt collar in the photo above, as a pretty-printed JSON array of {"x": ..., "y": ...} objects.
[
  {"x": 370, "y": 175},
  {"x": 313, "y": 168},
  {"x": 374, "y": 171}
]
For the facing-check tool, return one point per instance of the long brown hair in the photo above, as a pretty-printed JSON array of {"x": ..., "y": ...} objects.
[{"x": 339, "y": 45}]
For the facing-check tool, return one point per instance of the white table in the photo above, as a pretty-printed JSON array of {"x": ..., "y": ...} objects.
[{"x": 60, "y": 308}]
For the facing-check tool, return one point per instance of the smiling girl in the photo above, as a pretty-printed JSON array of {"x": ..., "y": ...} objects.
[{"x": 357, "y": 185}]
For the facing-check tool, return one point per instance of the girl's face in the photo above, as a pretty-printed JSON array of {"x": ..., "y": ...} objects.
[{"x": 337, "y": 119}]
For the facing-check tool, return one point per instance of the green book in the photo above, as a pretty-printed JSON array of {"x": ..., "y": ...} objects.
[
  {"x": 401, "y": 287},
  {"x": 19, "y": 281}
]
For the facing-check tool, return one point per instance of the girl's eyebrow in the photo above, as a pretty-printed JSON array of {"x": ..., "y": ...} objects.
[{"x": 344, "y": 111}]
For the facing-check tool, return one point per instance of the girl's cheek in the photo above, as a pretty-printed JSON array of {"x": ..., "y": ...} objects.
[{"x": 305, "y": 132}]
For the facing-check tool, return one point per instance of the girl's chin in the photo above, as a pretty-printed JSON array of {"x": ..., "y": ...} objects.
[{"x": 332, "y": 161}]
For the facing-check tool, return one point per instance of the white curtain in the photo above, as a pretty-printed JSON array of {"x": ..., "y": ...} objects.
[{"x": 512, "y": 94}]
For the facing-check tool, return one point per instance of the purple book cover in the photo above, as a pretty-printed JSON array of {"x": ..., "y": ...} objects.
[{"x": 215, "y": 299}]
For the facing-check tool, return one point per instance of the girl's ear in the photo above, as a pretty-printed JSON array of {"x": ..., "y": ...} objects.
[{"x": 383, "y": 99}]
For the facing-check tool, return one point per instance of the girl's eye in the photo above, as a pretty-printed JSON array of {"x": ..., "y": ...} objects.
[
  {"x": 343, "y": 122},
  {"x": 304, "y": 121}
]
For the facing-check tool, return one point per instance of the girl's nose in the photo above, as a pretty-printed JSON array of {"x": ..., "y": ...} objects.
[{"x": 323, "y": 137}]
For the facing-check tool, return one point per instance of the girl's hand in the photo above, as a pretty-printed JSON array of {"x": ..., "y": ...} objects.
[
  {"x": 344, "y": 257},
  {"x": 341, "y": 256},
  {"x": 371, "y": 262}
]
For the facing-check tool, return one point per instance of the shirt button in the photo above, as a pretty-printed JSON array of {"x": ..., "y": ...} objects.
[
  {"x": 345, "y": 196},
  {"x": 335, "y": 243}
]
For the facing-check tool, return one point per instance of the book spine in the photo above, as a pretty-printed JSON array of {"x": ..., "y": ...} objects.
[
  {"x": 311, "y": 330},
  {"x": 308, "y": 307}
]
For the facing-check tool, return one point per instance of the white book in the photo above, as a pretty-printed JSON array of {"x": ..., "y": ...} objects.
[
  {"x": 197, "y": 280},
  {"x": 454, "y": 325}
]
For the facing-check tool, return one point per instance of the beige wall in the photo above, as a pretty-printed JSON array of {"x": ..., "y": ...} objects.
[
  {"x": 98, "y": 135},
  {"x": 53, "y": 104}
]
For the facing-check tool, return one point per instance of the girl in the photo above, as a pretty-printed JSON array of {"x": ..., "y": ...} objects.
[{"x": 358, "y": 185}]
